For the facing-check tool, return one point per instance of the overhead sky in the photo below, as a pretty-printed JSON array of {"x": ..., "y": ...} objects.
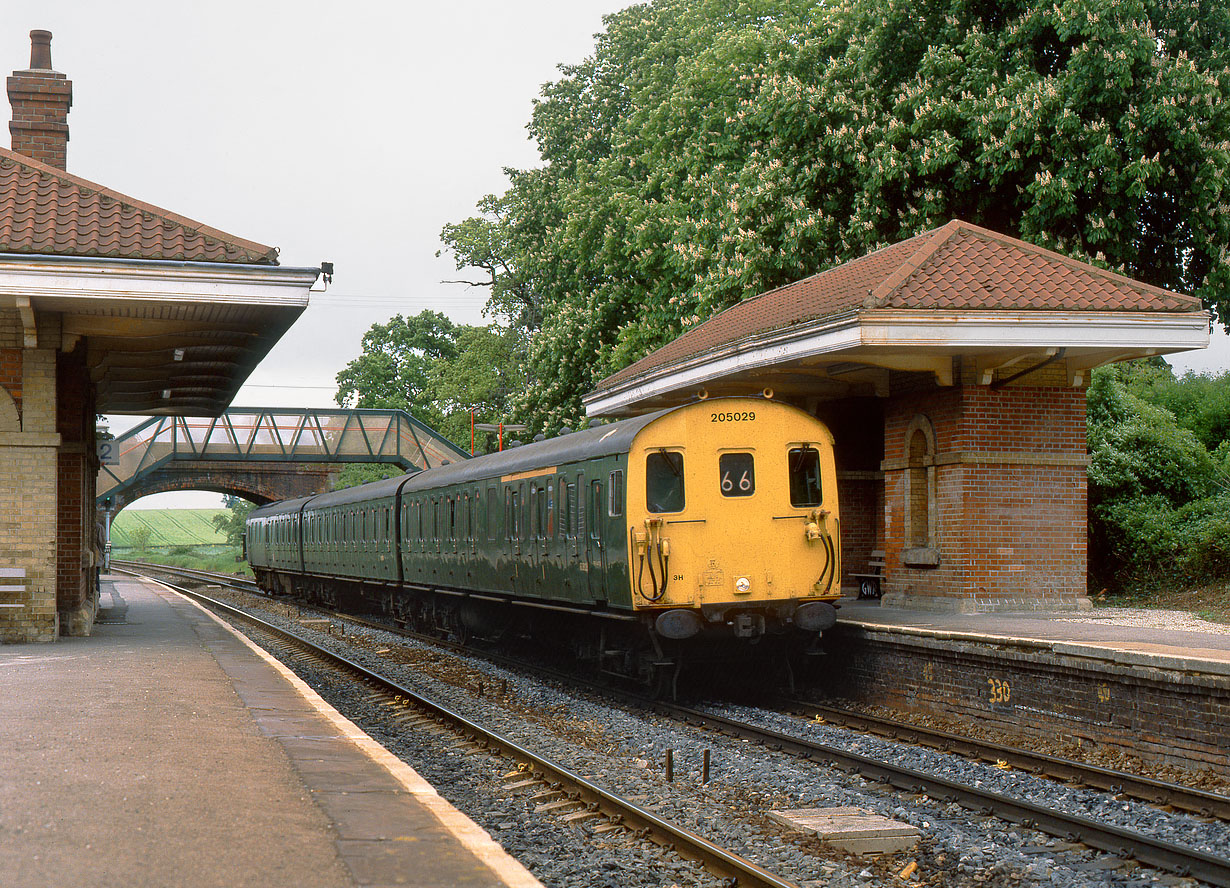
[{"x": 345, "y": 132}]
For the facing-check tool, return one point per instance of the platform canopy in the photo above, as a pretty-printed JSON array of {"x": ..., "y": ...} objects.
[
  {"x": 174, "y": 314},
  {"x": 957, "y": 299}
]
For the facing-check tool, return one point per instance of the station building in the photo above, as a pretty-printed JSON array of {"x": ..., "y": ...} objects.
[
  {"x": 107, "y": 305},
  {"x": 951, "y": 368}
]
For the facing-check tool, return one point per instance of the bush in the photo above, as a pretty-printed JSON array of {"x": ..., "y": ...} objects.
[{"x": 1159, "y": 502}]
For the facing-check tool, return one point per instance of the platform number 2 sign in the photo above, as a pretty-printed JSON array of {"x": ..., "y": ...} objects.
[{"x": 108, "y": 453}]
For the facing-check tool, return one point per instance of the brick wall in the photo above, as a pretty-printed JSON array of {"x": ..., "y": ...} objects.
[
  {"x": 1007, "y": 498},
  {"x": 28, "y": 496},
  {"x": 1025, "y": 688}
]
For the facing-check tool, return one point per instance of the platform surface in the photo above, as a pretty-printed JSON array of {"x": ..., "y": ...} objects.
[
  {"x": 167, "y": 751},
  {"x": 1132, "y": 637}
]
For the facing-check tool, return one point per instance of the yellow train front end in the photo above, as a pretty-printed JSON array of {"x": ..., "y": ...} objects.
[{"x": 733, "y": 526}]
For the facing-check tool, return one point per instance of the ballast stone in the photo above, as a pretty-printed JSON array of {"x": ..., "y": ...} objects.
[{"x": 851, "y": 829}]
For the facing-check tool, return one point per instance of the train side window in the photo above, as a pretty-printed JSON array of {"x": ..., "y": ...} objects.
[
  {"x": 595, "y": 504},
  {"x": 615, "y": 503},
  {"x": 565, "y": 516},
  {"x": 737, "y": 474},
  {"x": 452, "y": 518},
  {"x": 804, "y": 465},
  {"x": 535, "y": 524},
  {"x": 580, "y": 510},
  {"x": 523, "y": 518},
  {"x": 514, "y": 522},
  {"x": 664, "y": 482},
  {"x": 492, "y": 504},
  {"x": 550, "y": 510}
]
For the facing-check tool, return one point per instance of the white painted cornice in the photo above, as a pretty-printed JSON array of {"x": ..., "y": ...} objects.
[
  {"x": 864, "y": 335},
  {"x": 65, "y": 283}
]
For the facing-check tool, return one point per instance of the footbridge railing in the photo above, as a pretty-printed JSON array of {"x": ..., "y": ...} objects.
[{"x": 261, "y": 434}]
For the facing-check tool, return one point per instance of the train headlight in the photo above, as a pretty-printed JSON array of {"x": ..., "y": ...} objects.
[{"x": 743, "y": 585}]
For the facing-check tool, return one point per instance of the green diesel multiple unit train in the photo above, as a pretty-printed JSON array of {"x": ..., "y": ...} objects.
[{"x": 704, "y": 530}]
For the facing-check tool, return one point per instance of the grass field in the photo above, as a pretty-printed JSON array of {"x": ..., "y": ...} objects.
[
  {"x": 166, "y": 527},
  {"x": 178, "y": 537}
]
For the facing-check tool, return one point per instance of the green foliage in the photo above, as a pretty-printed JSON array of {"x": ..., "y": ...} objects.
[
  {"x": 231, "y": 522},
  {"x": 1159, "y": 501},
  {"x": 711, "y": 149},
  {"x": 435, "y": 370},
  {"x": 139, "y": 537},
  {"x": 354, "y": 474}
]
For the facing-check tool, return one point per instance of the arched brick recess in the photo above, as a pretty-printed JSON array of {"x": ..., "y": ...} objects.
[{"x": 920, "y": 517}]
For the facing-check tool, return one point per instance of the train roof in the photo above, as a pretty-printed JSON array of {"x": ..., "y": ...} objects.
[
  {"x": 362, "y": 492},
  {"x": 280, "y": 507},
  {"x": 599, "y": 441},
  {"x": 603, "y": 440}
]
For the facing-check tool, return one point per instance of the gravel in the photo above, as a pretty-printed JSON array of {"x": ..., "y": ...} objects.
[{"x": 625, "y": 751}]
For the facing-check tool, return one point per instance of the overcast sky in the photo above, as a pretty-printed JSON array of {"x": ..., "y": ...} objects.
[
  {"x": 348, "y": 132},
  {"x": 345, "y": 132}
]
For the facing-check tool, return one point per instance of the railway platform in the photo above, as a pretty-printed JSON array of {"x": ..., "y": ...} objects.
[
  {"x": 165, "y": 750},
  {"x": 1135, "y": 683},
  {"x": 1107, "y": 635}
]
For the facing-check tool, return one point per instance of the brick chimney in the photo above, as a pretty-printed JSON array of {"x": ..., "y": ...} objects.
[{"x": 40, "y": 98}]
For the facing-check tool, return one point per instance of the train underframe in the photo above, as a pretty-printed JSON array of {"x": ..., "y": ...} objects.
[{"x": 656, "y": 649}]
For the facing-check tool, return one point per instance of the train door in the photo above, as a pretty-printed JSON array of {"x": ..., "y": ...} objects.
[
  {"x": 595, "y": 545},
  {"x": 533, "y": 540},
  {"x": 512, "y": 523}
]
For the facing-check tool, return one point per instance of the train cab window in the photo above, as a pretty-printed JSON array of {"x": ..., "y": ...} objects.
[
  {"x": 737, "y": 474},
  {"x": 804, "y": 463},
  {"x": 664, "y": 482},
  {"x": 615, "y": 504}
]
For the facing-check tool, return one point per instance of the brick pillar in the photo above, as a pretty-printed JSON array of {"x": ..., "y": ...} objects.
[
  {"x": 40, "y": 98},
  {"x": 28, "y": 466},
  {"x": 986, "y": 511},
  {"x": 76, "y": 520}
]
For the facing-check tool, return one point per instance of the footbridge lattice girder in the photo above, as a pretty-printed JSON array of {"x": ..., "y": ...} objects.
[{"x": 266, "y": 435}]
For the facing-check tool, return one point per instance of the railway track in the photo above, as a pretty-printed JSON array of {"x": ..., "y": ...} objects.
[
  {"x": 1070, "y": 827},
  {"x": 595, "y": 800},
  {"x": 1158, "y": 792}
]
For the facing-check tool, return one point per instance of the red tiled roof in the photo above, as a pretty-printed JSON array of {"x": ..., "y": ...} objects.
[
  {"x": 48, "y": 211},
  {"x": 958, "y": 266}
]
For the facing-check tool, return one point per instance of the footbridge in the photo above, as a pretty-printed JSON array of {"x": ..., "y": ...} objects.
[{"x": 261, "y": 454}]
